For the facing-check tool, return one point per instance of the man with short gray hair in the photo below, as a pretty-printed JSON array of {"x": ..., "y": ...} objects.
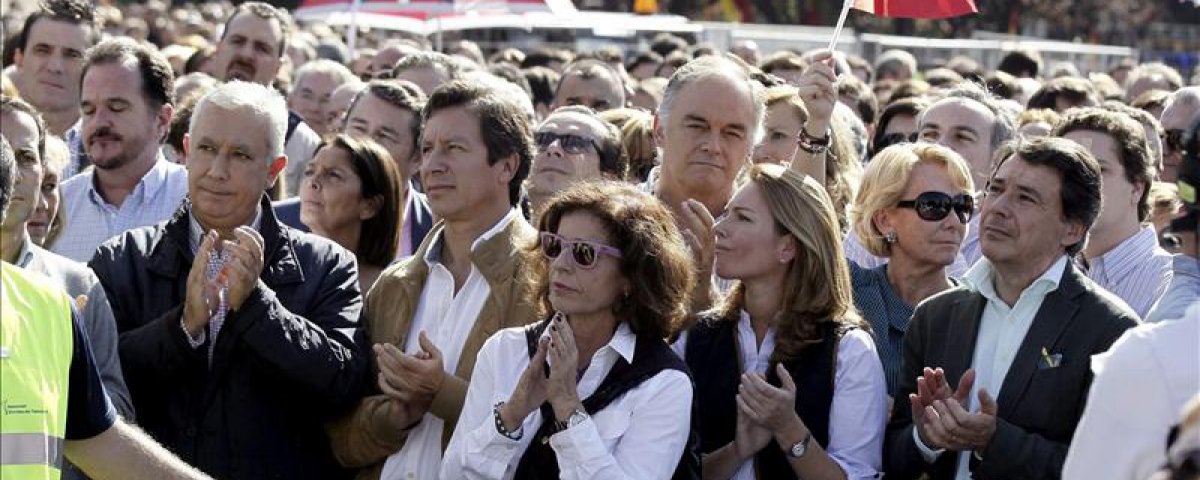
[
  {"x": 312, "y": 91},
  {"x": 239, "y": 335},
  {"x": 706, "y": 127}
]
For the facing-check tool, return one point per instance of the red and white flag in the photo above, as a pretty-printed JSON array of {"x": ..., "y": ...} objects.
[{"x": 917, "y": 8}]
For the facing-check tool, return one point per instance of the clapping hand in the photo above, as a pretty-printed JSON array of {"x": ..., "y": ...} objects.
[
  {"x": 561, "y": 387},
  {"x": 245, "y": 265},
  {"x": 413, "y": 378},
  {"x": 934, "y": 392}
]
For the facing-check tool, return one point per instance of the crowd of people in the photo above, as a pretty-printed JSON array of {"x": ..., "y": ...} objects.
[{"x": 234, "y": 248}]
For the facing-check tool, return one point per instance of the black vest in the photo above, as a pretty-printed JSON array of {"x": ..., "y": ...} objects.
[
  {"x": 713, "y": 357},
  {"x": 651, "y": 355}
]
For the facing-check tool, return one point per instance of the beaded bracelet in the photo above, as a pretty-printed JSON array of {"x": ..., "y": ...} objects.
[{"x": 500, "y": 424}]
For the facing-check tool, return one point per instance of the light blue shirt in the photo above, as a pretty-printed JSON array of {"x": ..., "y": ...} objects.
[
  {"x": 1002, "y": 329},
  {"x": 90, "y": 220},
  {"x": 1137, "y": 270},
  {"x": 1183, "y": 292}
]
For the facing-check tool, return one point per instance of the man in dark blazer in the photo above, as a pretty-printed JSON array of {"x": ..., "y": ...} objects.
[
  {"x": 389, "y": 112},
  {"x": 1018, "y": 335}
]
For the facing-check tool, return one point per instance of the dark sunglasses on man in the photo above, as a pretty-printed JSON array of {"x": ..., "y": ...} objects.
[
  {"x": 570, "y": 143},
  {"x": 935, "y": 206}
]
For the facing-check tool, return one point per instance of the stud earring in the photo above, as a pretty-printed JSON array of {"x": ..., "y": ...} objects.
[{"x": 890, "y": 237}]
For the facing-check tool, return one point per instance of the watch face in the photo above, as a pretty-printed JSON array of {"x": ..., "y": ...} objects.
[{"x": 798, "y": 449}]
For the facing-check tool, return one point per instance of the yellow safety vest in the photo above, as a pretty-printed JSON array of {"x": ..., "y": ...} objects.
[{"x": 35, "y": 360}]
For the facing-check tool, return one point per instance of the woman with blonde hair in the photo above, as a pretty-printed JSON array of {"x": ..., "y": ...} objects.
[
  {"x": 788, "y": 326},
  {"x": 46, "y": 223},
  {"x": 637, "y": 136},
  {"x": 913, "y": 209}
]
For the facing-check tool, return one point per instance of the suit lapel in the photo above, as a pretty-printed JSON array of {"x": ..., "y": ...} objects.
[
  {"x": 962, "y": 332},
  {"x": 1055, "y": 314}
]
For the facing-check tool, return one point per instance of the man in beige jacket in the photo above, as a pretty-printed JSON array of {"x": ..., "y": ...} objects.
[{"x": 429, "y": 315}]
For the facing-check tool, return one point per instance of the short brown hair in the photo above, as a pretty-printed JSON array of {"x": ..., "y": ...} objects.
[
  {"x": 264, "y": 11},
  {"x": 502, "y": 122},
  {"x": 1077, "y": 169},
  {"x": 1077, "y": 91},
  {"x": 380, "y": 178},
  {"x": 653, "y": 256},
  {"x": 782, "y": 60},
  {"x": 158, "y": 79},
  {"x": 1133, "y": 151},
  {"x": 865, "y": 103},
  {"x": 401, "y": 94},
  {"x": 75, "y": 12}
]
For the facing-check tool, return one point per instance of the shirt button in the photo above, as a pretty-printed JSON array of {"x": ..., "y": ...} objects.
[{"x": 191, "y": 431}]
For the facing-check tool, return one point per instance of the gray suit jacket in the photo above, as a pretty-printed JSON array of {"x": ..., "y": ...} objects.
[{"x": 1038, "y": 406}]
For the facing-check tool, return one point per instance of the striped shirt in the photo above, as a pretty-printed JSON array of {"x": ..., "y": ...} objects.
[
  {"x": 1137, "y": 270},
  {"x": 90, "y": 220}
]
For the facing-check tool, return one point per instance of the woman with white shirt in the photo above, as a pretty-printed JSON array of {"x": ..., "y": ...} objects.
[
  {"x": 787, "y": 379},
  {"x": 593, "y": 391}
]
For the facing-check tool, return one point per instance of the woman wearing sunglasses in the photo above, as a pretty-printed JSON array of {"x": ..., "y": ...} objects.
[
  {"x": 592, "y": 391},
  {"x": 763, "y": 361},
  {"x": 913, "y": 209}
]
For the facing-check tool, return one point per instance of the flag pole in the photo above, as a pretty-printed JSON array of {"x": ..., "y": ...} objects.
[
  {"x": 837, "y": 31},
  {"x": 352, "y": 37}
]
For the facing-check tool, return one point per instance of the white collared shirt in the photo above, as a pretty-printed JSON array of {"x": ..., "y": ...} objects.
[
  {"x": 858, "y": 414},
  {"x": 1002, "y": 329},
  {"x": 1142, "y": 383},
  {"x": 447, "y": 318},
  {"x": 1137, "y": 270},
  {"x": 640, "y": 435}
]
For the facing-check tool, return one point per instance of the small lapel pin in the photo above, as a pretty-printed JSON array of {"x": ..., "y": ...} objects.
[{"x": 1050, "y": 361}]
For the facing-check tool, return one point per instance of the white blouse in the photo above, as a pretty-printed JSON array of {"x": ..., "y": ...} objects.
[
  {"x": 859, "y": 411},
  {"x": 640, "y": 435}
]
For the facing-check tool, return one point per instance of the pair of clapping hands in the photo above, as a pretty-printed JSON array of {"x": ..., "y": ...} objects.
[
  {"x": 239, "y": 275},
  {"x": 940, "y": 415}
]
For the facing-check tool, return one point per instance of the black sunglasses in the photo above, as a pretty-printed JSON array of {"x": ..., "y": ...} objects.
[
  {"x": 1173, "y": 139},
  {"x": 583, "y": 252},
  {"x": 572, "y": 144},
  {"x": 935, "y": 206}
]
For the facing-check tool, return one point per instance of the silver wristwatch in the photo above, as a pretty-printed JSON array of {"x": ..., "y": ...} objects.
[
  {"x": 577, "y": 417},
  {"x": 799, "y": 448}
]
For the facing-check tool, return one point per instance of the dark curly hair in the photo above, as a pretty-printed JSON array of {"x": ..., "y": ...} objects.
[{"x": 653, "y": 255}]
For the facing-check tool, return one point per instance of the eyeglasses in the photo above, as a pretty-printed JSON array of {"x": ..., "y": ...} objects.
[
  {"x": 572, "y": 144},
  {"x": 1173, "y": 139},
  {"x": 935, "y": 206},
  {"x": 894, "y": 138},
  {"x": 583, "y": 252}
]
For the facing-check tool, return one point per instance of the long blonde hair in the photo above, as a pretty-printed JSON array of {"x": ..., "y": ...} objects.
[{"x": 817, "y": 287}]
